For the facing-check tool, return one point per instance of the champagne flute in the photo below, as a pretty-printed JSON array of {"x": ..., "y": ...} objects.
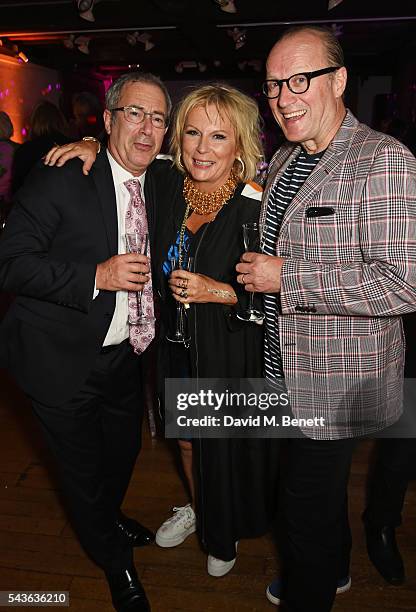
[
  {"x": 253, "y": 236},
  {"x": 180, "y": 334},
  {"x": 137, "y": 243}
]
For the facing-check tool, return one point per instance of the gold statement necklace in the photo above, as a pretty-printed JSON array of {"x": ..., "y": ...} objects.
[{"x": 205, "y": 203}]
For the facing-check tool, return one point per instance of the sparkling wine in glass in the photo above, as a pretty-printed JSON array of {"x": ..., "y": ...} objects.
[
  {"x": 253, "y": 236},
  {"x": 180, "y": 333},
  {"x": 137, "y": 243}
]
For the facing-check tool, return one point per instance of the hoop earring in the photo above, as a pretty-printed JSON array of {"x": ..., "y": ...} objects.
[
  {"x": 243, "y": 166},
  {"x": 180, "y": 163}
]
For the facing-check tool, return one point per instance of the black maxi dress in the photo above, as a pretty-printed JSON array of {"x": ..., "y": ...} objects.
[{"x": 235, "y": 478}]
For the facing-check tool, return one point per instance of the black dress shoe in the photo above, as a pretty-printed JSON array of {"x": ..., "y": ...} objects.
[
  {"x": 384, "y": 554},
  {"x": 127, "y": 591},
  {"x": 136, "y": 533}
]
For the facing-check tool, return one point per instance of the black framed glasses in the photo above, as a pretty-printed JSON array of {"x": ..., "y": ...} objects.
[
  {"x": 134, "y": 114},
  {"x": 297, "y": 83}
]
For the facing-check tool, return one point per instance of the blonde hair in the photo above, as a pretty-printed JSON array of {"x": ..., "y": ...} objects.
[{"x": 243, "y": 113}]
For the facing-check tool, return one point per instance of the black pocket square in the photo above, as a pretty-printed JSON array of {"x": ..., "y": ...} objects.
[{"x": 319, "y": 211}]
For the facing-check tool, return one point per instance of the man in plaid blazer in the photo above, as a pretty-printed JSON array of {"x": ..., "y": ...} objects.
[{"x": 340, "y": 212}]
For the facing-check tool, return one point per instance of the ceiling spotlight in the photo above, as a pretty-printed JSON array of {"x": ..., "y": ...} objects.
[
  {"x": 132, "y": 38},
  {"x": 181, "y": 66},
  {"x": 145, "y": 38},
  {"x": 85, "y": 8},
  {"x": 82, "y": 43},
  {"x": 239, "y": 37},
  {"x": 69, "y": 42},
  {"x": 227, "y": 6},
  {"x": 85, "y": 5},
  {"x": 333, "y": 3},
  {"x": 337, "y": 30},
  {"x": 22, "y": 57}
]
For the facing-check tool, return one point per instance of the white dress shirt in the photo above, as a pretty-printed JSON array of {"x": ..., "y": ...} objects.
[{"x": 119, "y": 327}]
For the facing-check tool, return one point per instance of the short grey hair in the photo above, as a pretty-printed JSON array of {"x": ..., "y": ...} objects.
[{"x": 113, "y": 94}]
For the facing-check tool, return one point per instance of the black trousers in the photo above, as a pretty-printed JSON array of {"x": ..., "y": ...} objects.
[
  {"x": 394, "y": 467},
  {"x": 96, "y": 438},
  {"x": 315, "y": 530}
]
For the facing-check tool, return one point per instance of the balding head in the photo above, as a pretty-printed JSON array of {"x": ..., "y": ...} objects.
[
  {"x": 332, "y": 49},
  {"x": 311, "y": 117}
]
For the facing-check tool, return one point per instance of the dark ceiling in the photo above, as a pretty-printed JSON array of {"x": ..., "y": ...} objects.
[{"x": 374, "y": 34}]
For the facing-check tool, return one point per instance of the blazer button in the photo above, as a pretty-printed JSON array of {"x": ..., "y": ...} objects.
[
  {"x": 298, "y": 308},
  {"x": 312, "y": 309}
]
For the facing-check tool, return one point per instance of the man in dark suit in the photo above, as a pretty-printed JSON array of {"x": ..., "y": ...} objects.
[{"x": 67, "y": 339}]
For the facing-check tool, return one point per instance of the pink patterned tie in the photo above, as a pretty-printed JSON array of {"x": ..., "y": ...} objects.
[{"x": 136, "y": 221}]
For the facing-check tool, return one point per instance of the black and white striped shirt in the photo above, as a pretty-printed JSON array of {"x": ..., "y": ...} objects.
[{"x": 280, "y": 197}]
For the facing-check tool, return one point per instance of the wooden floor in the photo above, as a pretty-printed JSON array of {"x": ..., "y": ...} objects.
[{"x": 38, "y": 549}]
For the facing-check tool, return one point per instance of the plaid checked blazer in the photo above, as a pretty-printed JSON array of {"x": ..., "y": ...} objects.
[{"x": 348, "y": 276}]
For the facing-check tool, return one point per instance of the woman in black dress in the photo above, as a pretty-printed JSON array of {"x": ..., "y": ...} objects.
[{"x": 216, "y": 145}]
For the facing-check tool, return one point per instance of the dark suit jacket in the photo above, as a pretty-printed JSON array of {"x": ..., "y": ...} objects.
[{"x": 62, "y": 224}]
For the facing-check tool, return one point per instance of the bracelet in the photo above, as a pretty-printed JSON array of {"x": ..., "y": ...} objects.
[
  {"x": 92, "y": 139},
  {"x": 223, "y": 293}
]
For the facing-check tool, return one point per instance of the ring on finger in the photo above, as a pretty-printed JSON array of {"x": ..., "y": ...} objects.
[
  {"x": 242, "y": 279},
  {"x": 183, "y": 293}
]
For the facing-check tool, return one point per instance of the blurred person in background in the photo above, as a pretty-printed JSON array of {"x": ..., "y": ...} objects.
[
  {"x": 87, "y": 116},
  {"x": 7, "y": 152},
  {"x": 48, "y": 127}
]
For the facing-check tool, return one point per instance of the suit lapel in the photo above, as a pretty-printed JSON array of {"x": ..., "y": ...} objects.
[
  {"x": 332, "y": 158},
  {"x": 103, "y": 181},
  {"x": 314, "y": 183},
  {"x": 150, "y": 203},
  {"x": 278, "y": 165}
]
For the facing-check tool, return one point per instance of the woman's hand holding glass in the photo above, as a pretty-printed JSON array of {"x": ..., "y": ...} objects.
[
  {"x": 188, "y": 287},
  {"x": 181, "y": 332}
]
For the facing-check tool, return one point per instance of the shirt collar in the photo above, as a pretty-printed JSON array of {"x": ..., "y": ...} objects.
[{"x": 121, "y": 175}]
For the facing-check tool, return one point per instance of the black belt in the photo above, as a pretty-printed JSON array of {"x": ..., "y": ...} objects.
[{"x": 112, "y": 347}]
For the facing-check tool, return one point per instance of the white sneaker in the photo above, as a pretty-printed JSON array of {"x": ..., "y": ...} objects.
[
  {"x": 177, "y": 528},
  {"x": 218, "y": 567}
]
